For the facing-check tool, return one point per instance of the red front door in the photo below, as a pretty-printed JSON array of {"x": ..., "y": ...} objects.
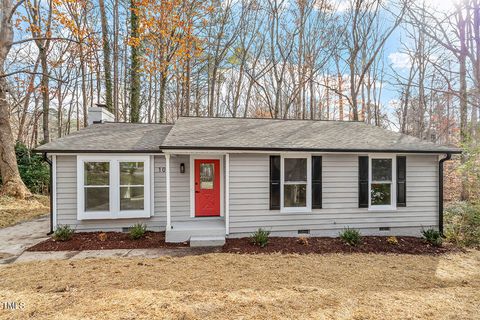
[{"x": 207, "y": 188}]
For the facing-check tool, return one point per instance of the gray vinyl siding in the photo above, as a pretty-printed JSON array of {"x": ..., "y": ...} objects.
[{"x": 249, "y": 199}]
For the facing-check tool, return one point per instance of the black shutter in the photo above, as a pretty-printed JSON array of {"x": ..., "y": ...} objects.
[
  {"x": 274, "y": 182},
  {"x": 401, "y": 181},
  {"x": 316, "y": 182},
  {"x": 363, "y": 182}
]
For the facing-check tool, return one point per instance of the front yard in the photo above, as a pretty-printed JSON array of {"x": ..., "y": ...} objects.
[
  {"x": 222, "y": 286},
  {"x": 13, "y": 211}
]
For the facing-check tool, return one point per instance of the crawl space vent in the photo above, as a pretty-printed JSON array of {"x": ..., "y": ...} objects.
[
  {"x": 384, "y": 228},
  {"x": 303, "y": 231},
  {"x": 127, "y": 229}
]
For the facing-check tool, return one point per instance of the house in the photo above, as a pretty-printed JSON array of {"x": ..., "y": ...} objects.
[{"x": 202, "y": 179}]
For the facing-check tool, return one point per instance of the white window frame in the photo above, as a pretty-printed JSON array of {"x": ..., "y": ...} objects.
[
  {"x": 308, "y": 208},
  {"x": 393, "y": 193},
  {"x": 114, "y": 188}
]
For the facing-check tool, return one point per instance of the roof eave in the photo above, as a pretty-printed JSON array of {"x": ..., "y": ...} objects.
[
  {"x": 95, "y": 151},
  {"x": 451, "y": 151}
]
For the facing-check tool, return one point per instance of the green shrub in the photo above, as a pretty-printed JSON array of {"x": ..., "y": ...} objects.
[
  {"x": 34, "y": 171},
  {"x": 433, "y": 237},
  {"x": 63, "y": 233},
  {"x": 137, "y": 231},
  {"x": 351, "y": 236},
  {"x": 260, "y": 238},
  {"x": 462, "y": 224}
]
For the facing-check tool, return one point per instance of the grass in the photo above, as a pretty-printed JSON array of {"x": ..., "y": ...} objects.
[
  {"x": 13, "y": 211},
  {"x": 226, "y": 286}
]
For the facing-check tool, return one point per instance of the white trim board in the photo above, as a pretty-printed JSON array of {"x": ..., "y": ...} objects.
[{"x": 54, "y": 193}]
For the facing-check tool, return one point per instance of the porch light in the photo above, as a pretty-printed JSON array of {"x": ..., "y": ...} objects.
[{"x": 182, "y": 167}]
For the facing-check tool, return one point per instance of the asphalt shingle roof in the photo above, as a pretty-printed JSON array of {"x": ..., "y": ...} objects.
[
  {"x": 259, "y": 134},
  {"x": 110, "y": 137},
  {"x": 241, "y": 134}
]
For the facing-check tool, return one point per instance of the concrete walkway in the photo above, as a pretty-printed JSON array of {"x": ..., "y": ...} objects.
[{"x": 15, "y": 239}]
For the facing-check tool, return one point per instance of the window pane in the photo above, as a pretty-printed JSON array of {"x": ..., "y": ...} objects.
[
  {"x": 381, "y": 194},
  {"x": 295, "y": 195},
  {"x": 381, "y": 169},
  {"x": 295, "y": 169},
  {"x": 206, "y": 175},
  {"x": 97, "y": 199},
  {"x": 131, "y": 173},
  {"x": 96, "y": 173},
  {"x": 131, "y": 198}
]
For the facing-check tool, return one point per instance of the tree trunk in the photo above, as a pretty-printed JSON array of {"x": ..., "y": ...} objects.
[
  {"x": 135, "y": 65},
  {"x": 31, "y": 85},
  {"x": 106, "y": 58},
  {"x": 115, "y": 60},
  {"x": 12, "y": 182},
  {"x": 45, "y": 95}
]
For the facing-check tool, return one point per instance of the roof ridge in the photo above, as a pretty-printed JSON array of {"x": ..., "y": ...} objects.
[
  {"x": 277, "y": 119},
  {"x": 143, "y": 123}
]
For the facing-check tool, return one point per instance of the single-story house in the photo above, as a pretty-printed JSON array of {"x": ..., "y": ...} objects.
[{"x": 204, "y": 179}]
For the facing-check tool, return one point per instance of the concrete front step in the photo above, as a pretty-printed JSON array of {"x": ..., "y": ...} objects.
[
  {"x": 207, "y": 241},
  {"x": 184, "y": 231},
  {"x": 185, "y": 235}
]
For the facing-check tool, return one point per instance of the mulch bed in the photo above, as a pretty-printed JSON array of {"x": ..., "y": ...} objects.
[
  {"x": 118, "y": 240},
  {"x": 406, "y": 245},
  {"x": 114, "y": 240}
]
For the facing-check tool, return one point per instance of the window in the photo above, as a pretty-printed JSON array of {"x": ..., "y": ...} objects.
[
  {"x": 206, "y": 175},
  {"x": 296, "y": 188},
  {"x": 132, "y": 186},
  {"x": 111, "y": 187},
  {"x": 382, "y": 182},
  {"x": 97, "y": 186}
]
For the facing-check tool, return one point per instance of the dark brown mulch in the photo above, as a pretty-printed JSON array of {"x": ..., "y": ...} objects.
[
  {"x": 406, "y": 245},
  {"x": 114, "y": 240}
]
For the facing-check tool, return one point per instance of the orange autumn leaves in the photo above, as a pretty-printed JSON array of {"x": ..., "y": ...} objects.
[{"x": 167, "y": 32}]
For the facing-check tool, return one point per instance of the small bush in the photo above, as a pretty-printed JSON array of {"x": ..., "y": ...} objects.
[
  {"x": 351, "y": 236},
  {"x": 260, "y": 238},
  {"x": 392, "y": 240},
  {"x": 462, "y": 224},
  {"x": 63, "y": 233},
  {"x": 137, "y": 231},
  {"x": 433, "y": 237}
]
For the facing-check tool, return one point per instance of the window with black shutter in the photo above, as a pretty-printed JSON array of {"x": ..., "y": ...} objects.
[
  {"x": 316, "y": 182},
  {"x": 274, "y": 182}
]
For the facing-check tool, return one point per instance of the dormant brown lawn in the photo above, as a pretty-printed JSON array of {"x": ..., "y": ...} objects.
[
  {"x": 223, "y": 286},
  {"x": 13, "y": 211}
]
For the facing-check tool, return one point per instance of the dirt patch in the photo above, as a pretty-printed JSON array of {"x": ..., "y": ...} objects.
[
  {"x": 406, "y": 245},
  {"x": 13, "y": 211},
  {"x": 241, "y": 286},
  {"x": 111, "y": 240}
]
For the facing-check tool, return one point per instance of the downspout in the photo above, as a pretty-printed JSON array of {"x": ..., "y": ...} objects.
[
  {"x": 448, "y": 156},
  {"x": 50, "y": 187}
]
